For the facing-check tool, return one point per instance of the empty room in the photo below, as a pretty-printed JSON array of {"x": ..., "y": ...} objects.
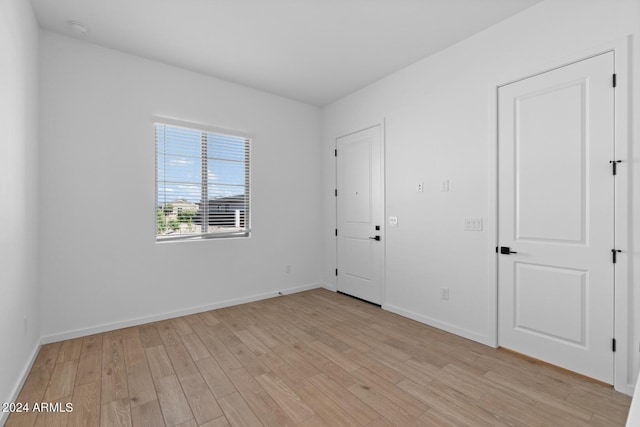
[{"x": 307, "y": 212}]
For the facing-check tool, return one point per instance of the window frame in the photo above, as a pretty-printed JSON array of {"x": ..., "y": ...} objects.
[{"x": 202, "y": 128}]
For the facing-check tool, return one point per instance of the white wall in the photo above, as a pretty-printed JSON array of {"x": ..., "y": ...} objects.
[
  {"x": 101, "y": 267},
  {"x": 440, "y": 124},
  {"x": 18, "y": 193}
]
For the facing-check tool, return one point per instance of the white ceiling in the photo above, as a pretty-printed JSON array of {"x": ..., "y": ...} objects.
[{"x": 314, "y": 51}]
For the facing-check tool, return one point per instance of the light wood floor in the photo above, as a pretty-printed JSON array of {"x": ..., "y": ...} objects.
[{"x": 310, "y": 359}]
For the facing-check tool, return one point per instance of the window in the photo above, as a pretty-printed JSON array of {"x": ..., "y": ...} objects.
[{"x": 202, "y": 184}]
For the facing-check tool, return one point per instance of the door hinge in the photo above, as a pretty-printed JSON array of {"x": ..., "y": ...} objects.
[
  {"x": 614, "y": 254},
  {"x": 615, "y": 80},
  {"x": 613, "y": 344},
  {"x": 336, "y": 271},
  {"x": 335, "y": 152},
  {"x": 336, "y": 192},
  {"x": 336, "y": 231},
  {"x": 614, "y": 164}
]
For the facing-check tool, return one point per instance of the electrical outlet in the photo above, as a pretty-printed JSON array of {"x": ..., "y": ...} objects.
[
  {"x": 444, "y": 294},
  {"x": 444, "y": 186},
  {"x": 393, "y": 221},
  {"x": 420, "y": 187}
]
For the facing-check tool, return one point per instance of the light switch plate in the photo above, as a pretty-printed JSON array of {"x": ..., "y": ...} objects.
[{"x": 473, "y": 224}]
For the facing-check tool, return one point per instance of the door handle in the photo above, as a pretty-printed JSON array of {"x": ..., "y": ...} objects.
[
  {"x": 506, "y": 250},
  {"x": 375, "y": 238}
]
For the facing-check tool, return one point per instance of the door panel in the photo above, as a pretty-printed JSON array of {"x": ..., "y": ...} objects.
[
  {"x": 357, "y": 260},
  {"x": 561, "y": 292},
  {"x": 360, "y": 259},
  {"x": 357, "y": 181},
  {"x": 555, "y": 141}
]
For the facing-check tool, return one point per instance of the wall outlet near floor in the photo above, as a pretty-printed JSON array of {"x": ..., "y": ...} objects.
[
  {"x": 419, "y": 186},
  {"x": 444, "y": 185},
  {"x": 444, "y": 294}
]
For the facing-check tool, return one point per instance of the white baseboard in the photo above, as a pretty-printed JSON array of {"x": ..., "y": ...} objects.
[
  {"x": 328, "y": 287},
  {"x": 171, "y": 314},
  {"x": 482, "y": 339},
  {"x": 13, "y": 396}
]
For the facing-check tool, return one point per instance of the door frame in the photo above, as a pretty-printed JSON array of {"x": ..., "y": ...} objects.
[
  {"x": 622, "y": 287},
  {"x": 383, "y": 192}
]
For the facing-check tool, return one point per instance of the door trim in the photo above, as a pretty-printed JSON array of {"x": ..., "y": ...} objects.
[
  {"x": 622, "y": 314},
  {"x": 383, "y": 276}
]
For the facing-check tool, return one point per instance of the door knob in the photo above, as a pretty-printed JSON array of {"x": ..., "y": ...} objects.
[
  {"x": 375, "y": 238},
  {"x": 505, "y": 250}
]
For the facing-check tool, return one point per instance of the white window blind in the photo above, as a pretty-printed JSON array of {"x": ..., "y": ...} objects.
[{"x": 202, "y": 184}]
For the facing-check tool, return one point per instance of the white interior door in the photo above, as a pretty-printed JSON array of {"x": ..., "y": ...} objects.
[
  {"x": 360, "y": 211},
  {"x": 556, "y": 210}
]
